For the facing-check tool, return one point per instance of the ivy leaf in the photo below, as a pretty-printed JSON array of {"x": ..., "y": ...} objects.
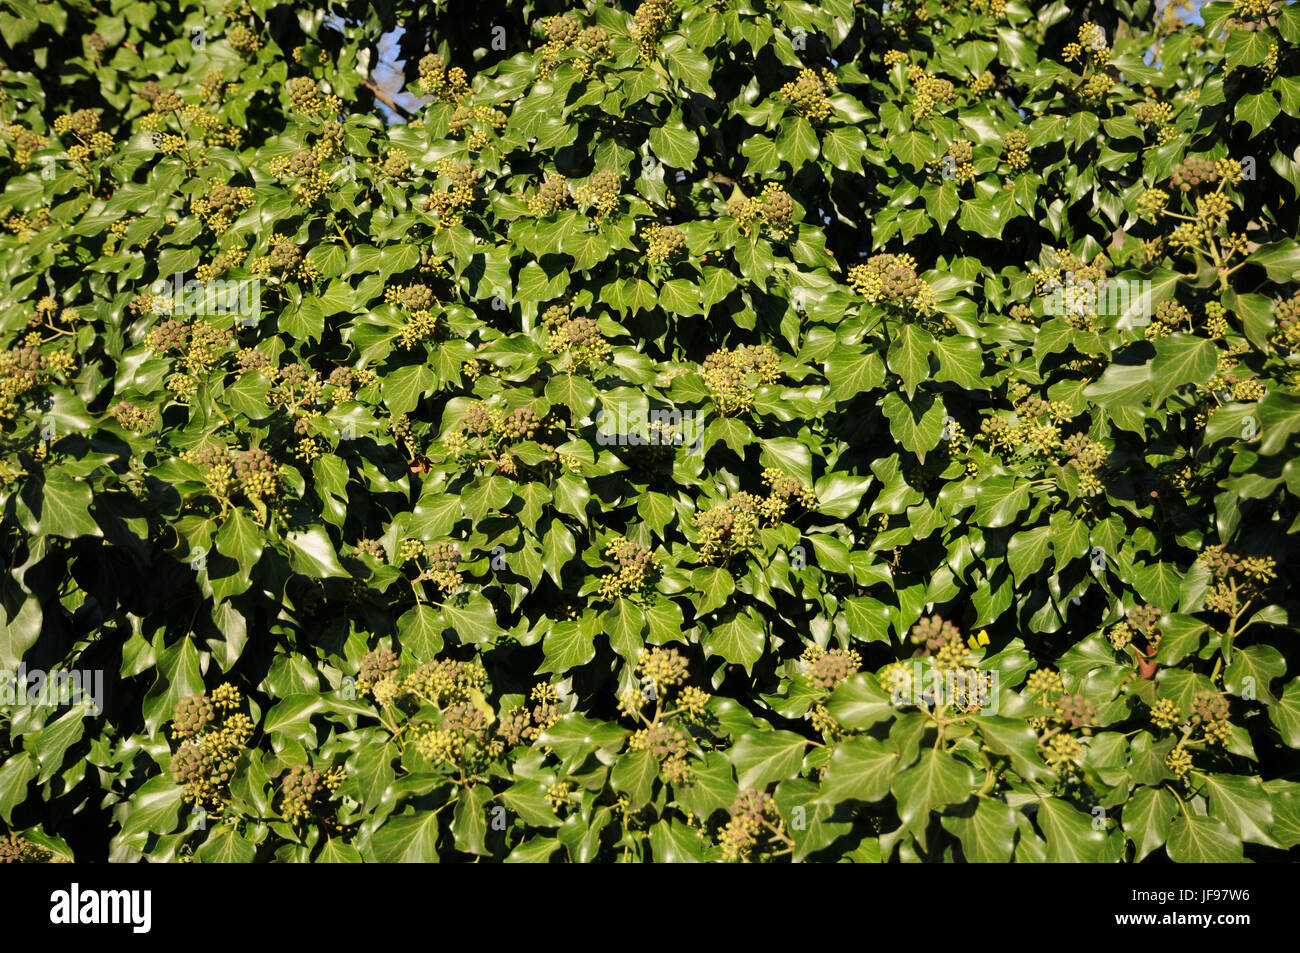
[
  {"x": 410, "y": 838},
  {"x": 1202, "y": 840},
  {"x": 1285, "y": 714},
  {"x": 1147, "y": 819},
  {"x": 625, "y": 624},
  {"x": 1242, "y": 804},
  {"x": 987, "y": 834},
  {"x": 909, "y": 356},
  {"x": 763, "y": 757},
  {"x": 567, "y": 645},
  {"x": 738, "y": 641},
  {"x": 935, "y": 781},
  {"x": 860, "y": 769},
  {"x": 1181, "y": 359},
  {"x": 916, "y": 424},
  {"x": 312, "y": 554},
  {"x": 61, "y": 504}
]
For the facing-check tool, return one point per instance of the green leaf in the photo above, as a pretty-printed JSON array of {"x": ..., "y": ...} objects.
[
  {"x": 420, "y": 631},
  {"x": 625, "y": 624},
  {"x": 916, "y": 424},
  {"x": 860, "y": 769},
  {"x": 739, "y": 641},
  {"x": 859, "y": 702},
  {"x": 469, "y": 823},
  {"x": 634, "y": 775},
  {"x": 1147, "y": 819},
  {"x": 1285, "y": 714},
  {"x": 1181, "y": 359},
  {"x": 62, "y": 505},
  {"x": 909, "y": 356},
  {"x": 1071, "y": 838},
  {"x": 567, "y": 645},
  {"x": 935, "y": 781},
  {"x": 411, "y": 838},
  {"x": 762, "y": 757},
  {"x": 1202, "y": 840},
  {"x": 1242, "y": 804},
  {"x": 673, "y": 143},
  {"x": 988, "y": 834},
  {"x": 312, "y": 554}
]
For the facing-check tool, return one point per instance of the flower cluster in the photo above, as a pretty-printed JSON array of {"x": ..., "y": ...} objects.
[
  {"x": 579, "y": 336},
  {"x": 523, "y": 724},
  {"x": 1091, "y": 47},
  {"x": 728, "y": 529},
  {"x": 753, "y": 813},
  {"x": 435, "y": 562},
  {"x": 930, "y": 92},
  {"x": 24, "y": 370},
  {"x": 600, "y": 192},
  {"x": 1072, "y": 287},
  {"x": 828, "y": 667},
  {"x": 1237, "y": 579},
  {"x": 808, "y": 95},
  {"x": 782, "y": 489},
  {"x": 732, "y": 375},
  {"x": 220, "y": 204},
  {"x": 1209, "y": 712},
  {"x": 17, "y": 849},
  {"x": 892, "y": 279},
  {"x": 448, "y": 85},
  {"x": 481, "y": 122},
  {"x": 213, "y": 734},
  {"x": 551, "y": 196},
  {"x": 652, "y": 20},
  {"x": 773, "y": 211},
  {"x": 1286, "y": 331},
  {"x": 663, "y": 241},
  {"x": 1015, "y": 148},
  {"x": 451, "y": 203},
  {"x": 301, "y": 787},
  {"x": 635, "y": 573},
  {"x": 590, "y": 44},
  {"x": 377, "y": 666},
  {"x": 941, "y": 641}
]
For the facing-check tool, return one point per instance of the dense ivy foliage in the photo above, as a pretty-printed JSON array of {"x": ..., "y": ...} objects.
[{"x": 721, "y": 430}]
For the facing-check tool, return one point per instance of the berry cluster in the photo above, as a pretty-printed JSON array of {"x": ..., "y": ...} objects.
[
  {"x": 652, "y": 20},
  {"x": 434, "y": 562},
  {"x": 773, "y": 211},
  {"x": 522, "y": 724},
  {"x": 17, "y": 849},
  {"x": 728, "y": 529},
  {"x": 732, "y": 375},
  {"x": 600, "y": 192},
  {"x": 551, "y": 196},
  {"x": 634, "y": 576},
  {"x": 377, "y": 665},
  {"x": 214, "y": 733},
  {"x": 564, "y": 34},
  {"x": 892, "y": 279},
  {"x": 480, "y": 121},
  {"x": 302, "y": 785},
  {"x": 827, "y": 668},
  {"x": 220, "y": 204},
  {"x": 663, "y": 241},
  {"x": 753, "y": 814},
  {"x": 1015, "y": 147},
  {"x": 450, "y": 203},
  {"x": 808, "y": 95},
  {"x": 579, "y": 336}
]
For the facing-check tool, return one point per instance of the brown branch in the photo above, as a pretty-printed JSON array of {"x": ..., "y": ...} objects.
[{"x": 387, "y": 100}]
